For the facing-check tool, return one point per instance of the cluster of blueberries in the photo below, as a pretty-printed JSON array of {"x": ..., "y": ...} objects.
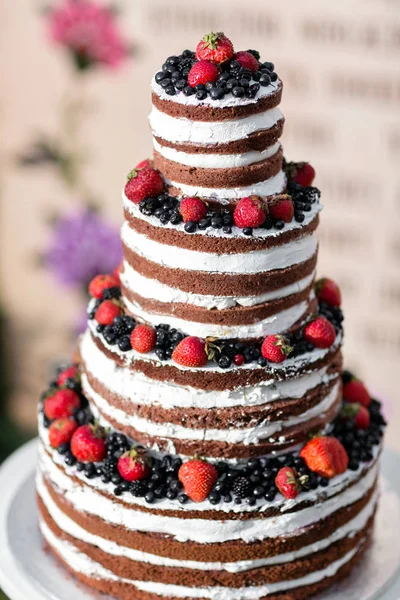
[{"x": 233, "y": 78}]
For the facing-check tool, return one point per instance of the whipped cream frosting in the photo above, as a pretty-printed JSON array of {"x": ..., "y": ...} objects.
[
  {"x": 215, "y": 161},
  {"x": 183, "y": 130},
  {"x": 74, "y": 530},
  {"x": 257, "y": 261},
  {"x": 225, "y": 102},
  {"x": 152, "y": 288},
  {"x": 238, "y": 435}
]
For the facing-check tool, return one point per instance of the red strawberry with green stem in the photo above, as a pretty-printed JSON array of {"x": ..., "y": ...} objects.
[
  {"x": 101, "y": 283},
  {"x": 133, "y": 465},
  {"x": 355, "y": 391},
  {"x": 320, "y": 332},
  {"x": 282, "y": 208},
  {"x": 198, "y": 478},
  {"x": 61, "y": 404},
  {"x": 287, "y": 483},
  {"x": 202, "y": 72},
  {"x": 71, "y": 372},
  {"x": 107, "y": 312},
  {"x": 190, "y": 352},
  {"x": 276, "y": 348},
  {"x": 249, "y": 212},
  {"x": 358, "y": 413},
  {"x": 301, "y": 172},
  {"x": 60, "y": 431},
  {"x": 144, "y": 164},
  {"x": 143, "y": 338},
  {"x": 215, "y": 47},
  {"x": 192, "y": 209},
  {"x": 325, "y": 456},
  {"x": 328, "y": 291},
  {"x": 247, "y": 61},
  {"x": 143, "y": 183},
  {"x": 88, "y": 443}
]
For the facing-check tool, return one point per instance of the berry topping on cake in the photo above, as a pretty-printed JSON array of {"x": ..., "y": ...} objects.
[
  {"x": 107, "y": 312},
  {"x": 215, "y": 47},
  {"x": 202, "y": 72},
  {"x": 61, "y": 404},
  {"x": 60, "y": 432},
  {"x": 71, "y": 372},
  {"x": 325, "y": 456},
  {"x": 88, "y": 443},
  {"x": 320, "y": 332},
  {"x": 116, "y": 273},
  {"x": 142, "y": 183},
  {"x": 198, "y": 478},
  {"x": 192, "y": 209},
  {"x": 247, "y": 61},
  {"x": 101, "y": 283},
  {"x": 143, "y": 338},
  {"x": 276, "y": 348},
  {"x": 133, "y": 465},
  {"x": 302, "y": 173},
  {"x": 190, "y": 352},
  {"x": 282, "y": 208},
  {"x": 249, "y": 212},
  {"x": 238, "y": 359},
  {"x": 358, "y": 413},
  {"x": 328, "y": 291},
  {"x": 145, "y": 164},
  {"x": 355, "y": 391},
  {"x": 287, "y": 483}
]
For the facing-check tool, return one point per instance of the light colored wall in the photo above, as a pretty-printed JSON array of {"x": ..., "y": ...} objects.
[{"x": 340, "y": 64}]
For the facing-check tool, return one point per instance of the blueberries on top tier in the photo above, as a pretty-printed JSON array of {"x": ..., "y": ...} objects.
[{"x": 233, "y": 78}]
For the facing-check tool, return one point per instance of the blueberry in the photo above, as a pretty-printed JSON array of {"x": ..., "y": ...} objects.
[
  {"x": 160, "y": 76},
  {"x": 170, "y": 90},
  {"x": 165, "y": 82},
  {"x": 299, "y": 217},
  {"x": 63, "y": 448},
  {"x": 265, "y": 80},
  {"x": 227, "y": 229},
  {"x": 268, "y": 65},
  {"x": 248, "y": 231},
  {"x": 216, "y": 222},
  {"x": 150, "y": 497},
  {"x": 201, "y": 94},
  {"x": 190, "y": 226},
  {"x": 224, "y": 362},
  {"x": 279, "y": 225},
  {"x": 183, "y": 498},
  {"x": 217, "y": 93},
  {"x": 188, "y": 91},
  {"x": 274, "y": 76},
  {"x": 204, "y": 223},
  {"x": 238, "y": 91}
]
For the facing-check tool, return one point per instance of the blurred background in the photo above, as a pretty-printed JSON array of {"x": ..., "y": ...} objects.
[{"x": 74, "y": 122}]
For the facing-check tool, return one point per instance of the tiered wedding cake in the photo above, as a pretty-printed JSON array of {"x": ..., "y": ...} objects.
[{"x": 208, "y": 444}]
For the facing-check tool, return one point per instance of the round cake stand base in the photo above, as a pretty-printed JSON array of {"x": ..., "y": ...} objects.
[{"x": 28, "y": 571}]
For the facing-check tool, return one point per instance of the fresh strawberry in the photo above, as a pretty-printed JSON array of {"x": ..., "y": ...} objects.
[
  {"x": 215, "y": 47},
  {"x": 60, "y": 432},
  {"x": 133, "y": 465},
  {"x": 328, "y": 291},
  {"x": 249, "y": 212},
  {"x": 143, "y": 183},
  {"x": 116, "y": 273},
  {"x": 202, "y": 72},
  {"x": 282, "y": 208},
  {"x": 320, "y": 332},
  {"x": 192, "y": 209},
  {"x": 71, "y": 372},
  {"x": 61, "y": 404},
  {"x": 101, "y": 283},
  {"x": 143, "y": 338},
  {"x": 88, "y": 443},
  {"x": 355, "y": 391},
  {"x": 287, "y": 483},
  {"x": 197, "y": 477},
  {"x": 247, "y": 61},
  {"x": 301, "y": 172},
  {"x": 358, "y": 413},
  {"x": 144, "y": 164},
  {"x": 276, "y": 348},
  {"x": 107, "y": 312},
  {"x": 325, "y": 456},
  {"x": 190, "y": 352}
]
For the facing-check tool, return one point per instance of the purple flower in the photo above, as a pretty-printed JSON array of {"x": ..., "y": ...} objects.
[{"x": 82, "y": 246}]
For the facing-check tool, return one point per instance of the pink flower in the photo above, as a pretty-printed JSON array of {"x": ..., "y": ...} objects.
[{"x": 89, "y": 31}]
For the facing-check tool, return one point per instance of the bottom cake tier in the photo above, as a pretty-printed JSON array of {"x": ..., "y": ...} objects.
[{"x": 283, "y": 549}]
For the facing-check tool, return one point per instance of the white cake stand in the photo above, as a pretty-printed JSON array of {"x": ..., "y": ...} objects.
[{"x": 28, "y": 572}]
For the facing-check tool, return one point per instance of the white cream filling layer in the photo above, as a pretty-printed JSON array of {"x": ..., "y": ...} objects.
[
  {"x": 51, "y": 462},
  {"x": 152, "y": 288},
  {"x": 81, "y": 563},
  {"x": 280, "y": 321},
  {"x": 215, "y": 161},
  {"x": 180, "y": 129},
  {"x": 74, "y": 530},
  {"x": 269, "y": 187},
  {"x": 258, "y": 261},
  {"x": 225, "y": 102},
  {"x": 237, "y": 435},
  {"x": 135, "y": 387}
]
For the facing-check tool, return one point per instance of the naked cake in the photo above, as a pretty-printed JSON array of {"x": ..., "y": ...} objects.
[{"x": 208, "y": 443}]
